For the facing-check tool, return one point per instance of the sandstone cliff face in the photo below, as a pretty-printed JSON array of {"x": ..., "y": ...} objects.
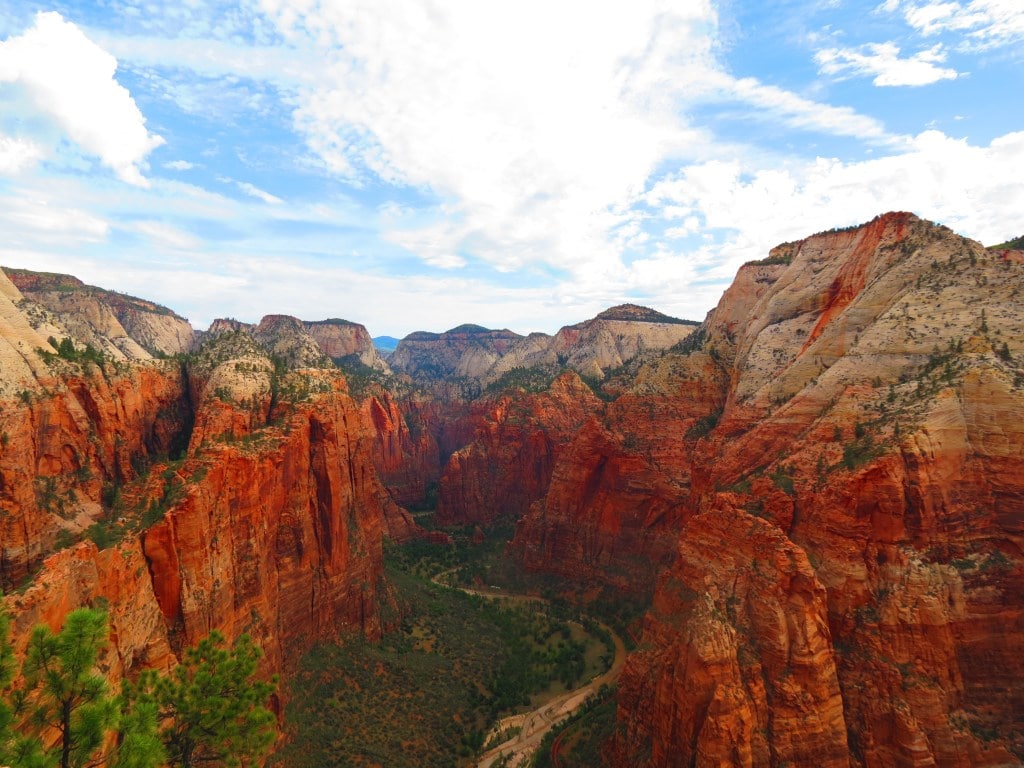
[
  {"x": 466, "y": 352},
  {"x": 278, "y": 535},
  {"x": 866, "y": 420},
  {"x": 740, "y": 669},
  {"x": 406, "y": 453},
  {"x": 20, "y": 364},
  {"x": 595, "y": 346},
  {"x": 60, "y": 445},
  {"x": 271, "y": 523},
  {"x": 341, "y": 339},
  {"x": 620, "y": 488},
  {"x": 479, "y": 356},
  {"x": 508, "y": 465},
  {"x": 122, "y": 326}
]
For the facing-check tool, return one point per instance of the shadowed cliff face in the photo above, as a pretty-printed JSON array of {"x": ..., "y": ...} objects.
[{"x": 508, "y": 464}]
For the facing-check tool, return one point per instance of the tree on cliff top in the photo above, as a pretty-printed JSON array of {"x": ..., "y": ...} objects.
[{"x": 211, "y": 708}]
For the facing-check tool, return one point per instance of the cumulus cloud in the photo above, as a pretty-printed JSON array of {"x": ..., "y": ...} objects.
[
  {"x": 882, "y": 60},
  {"x": 975, "y": 190},
  {"x": 179, "y": 165},
  {"x": 536, "y": 125},
  {"x": 71, "y": 79}
]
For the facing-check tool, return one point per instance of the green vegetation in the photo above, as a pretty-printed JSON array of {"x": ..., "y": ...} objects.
[
  {"x": 1015, "y": 244},
  {"x": 121, "y": 520},
  {"x": 210, "y": 707},
  {"x": 64, "y": 692},
  {"x": 782, "y": 256},
  {"x": 782, "y": 477},
  {"x": 703, "y": 425},
  {"x": 64, "y": 714},
  {"x": 580, "y": 741},
  {"x": 692, "y": 343},
  {"x": 362, "y": 379},
  {"x": 66, "y": 350},
  {"x": 427, "y": 694},
  {"x": 534, "y": 380}
]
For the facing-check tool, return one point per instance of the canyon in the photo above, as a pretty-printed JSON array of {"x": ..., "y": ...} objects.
[{"x": 815, "y": 497}]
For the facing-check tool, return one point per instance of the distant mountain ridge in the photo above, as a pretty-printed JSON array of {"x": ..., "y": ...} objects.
[{"x": 592, "y": 347}]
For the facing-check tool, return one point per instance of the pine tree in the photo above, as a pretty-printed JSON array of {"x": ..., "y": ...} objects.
[
  {"x": 6, "y": 675},
  {"x": 211, "y": 707},
  {"x": 64, "y": 691},
  {"x": 141, "y": 746}
]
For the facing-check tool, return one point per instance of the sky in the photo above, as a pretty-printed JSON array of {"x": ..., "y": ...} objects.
[{"x": 418, "y": 164}]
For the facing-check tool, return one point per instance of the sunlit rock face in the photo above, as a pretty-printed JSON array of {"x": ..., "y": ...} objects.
[{"x": 846, "y": 588}]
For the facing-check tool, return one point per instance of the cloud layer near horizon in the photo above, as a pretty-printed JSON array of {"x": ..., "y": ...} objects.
[{"x": 519, "y": 166}]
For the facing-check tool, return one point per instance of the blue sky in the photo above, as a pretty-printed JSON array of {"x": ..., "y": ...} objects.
[{"x": 416, "y": 165}]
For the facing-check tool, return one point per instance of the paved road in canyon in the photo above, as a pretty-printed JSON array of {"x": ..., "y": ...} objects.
[{"x": 534, "y": 725}]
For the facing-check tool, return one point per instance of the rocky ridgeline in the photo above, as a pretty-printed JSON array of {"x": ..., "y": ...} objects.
[{"x": 477, "y": 357}]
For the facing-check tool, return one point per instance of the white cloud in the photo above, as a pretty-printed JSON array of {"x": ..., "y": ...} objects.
[
  {"x": 974, "y": 190},
  {"x": 18, "y": 154},
  {"x": 253, "y": 191},
  {"x": 71, "y": 79},
  {"x": 31, "y": 219},
  {"x": 803, "y": 113},
  {"x": 984, "y": 23},
  {"x": 536, "y": 124},
  {"x": 882, "y": 60},
  {"x": 179, "y": 165},
  {"x": 163, "y": 234}
]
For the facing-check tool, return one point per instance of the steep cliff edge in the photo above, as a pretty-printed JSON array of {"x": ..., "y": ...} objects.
[
  {"x": 72, "y": 425},
  {"x": 867, "y": 426},
  {"x": 508, "y": 464},
  {"x": 226, "y": 492},
  {"x": 620, "y": 488},
  {"x": 341, "y": 340}
]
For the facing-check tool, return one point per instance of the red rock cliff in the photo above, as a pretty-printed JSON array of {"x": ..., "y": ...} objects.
[
  {"x": 854, "y": 519},
  {"x": 509, "y": 463}
]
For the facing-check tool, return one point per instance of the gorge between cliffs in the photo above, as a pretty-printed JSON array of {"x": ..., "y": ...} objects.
[{"x": 804, "y": 513}]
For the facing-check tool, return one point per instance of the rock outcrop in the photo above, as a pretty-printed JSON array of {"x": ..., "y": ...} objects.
[
  {"x": 466, "y": 352},
  {"x": 822, "y": 487},
  {"x": 596, "y": 346},
  {"x": 612, "y": 513},
  {"x": 228, "y": 493},
  {"x": 477, "y": 357},
  {"x": 341, "y": 340}
]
